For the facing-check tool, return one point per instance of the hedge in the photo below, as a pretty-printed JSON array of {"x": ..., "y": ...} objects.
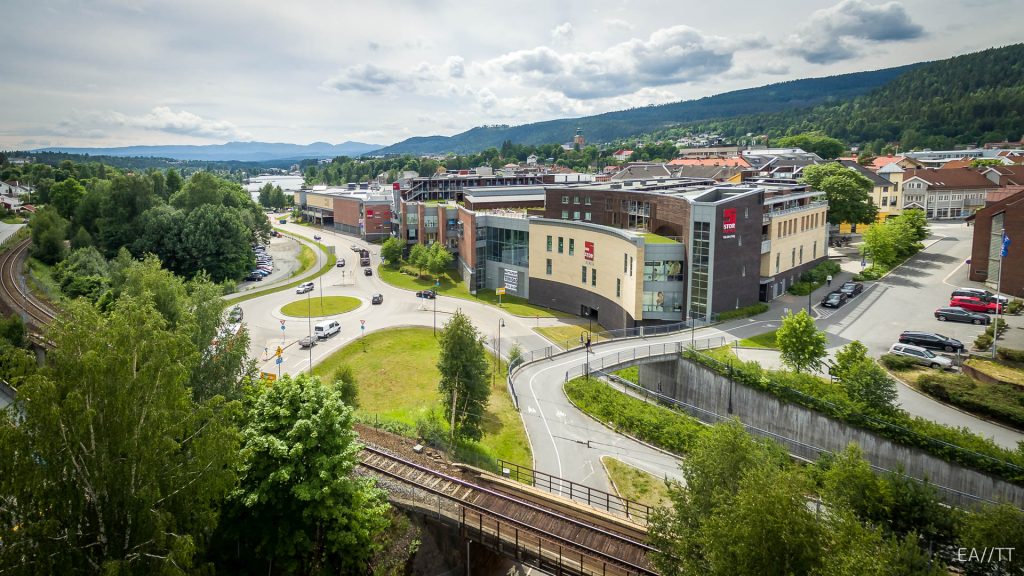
[
  {"x": 665, "y": 428},
  {"x": 957, "y": 445},
  {"x": 897, "y": 362},
  {"x": 1001, "y": 402},
  {"x": 814, "y": 278},
  {"x": 745, "y": 312}
]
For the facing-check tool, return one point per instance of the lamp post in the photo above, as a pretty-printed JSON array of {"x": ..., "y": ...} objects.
[
  {"x": 309, "y": 323},
  {"x": 585, "y": 340},
  {"x": 437, "y": 284},
  {"x": 321, "y": 282},
  {"x": 1004, "y": 243}
]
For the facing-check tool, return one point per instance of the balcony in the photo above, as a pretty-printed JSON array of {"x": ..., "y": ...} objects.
[
  {"x": 786, "y": 211},
  {"x": 766, "y": 246}
]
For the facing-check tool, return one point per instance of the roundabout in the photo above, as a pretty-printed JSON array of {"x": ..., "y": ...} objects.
[{"x": 315, "y": 307}]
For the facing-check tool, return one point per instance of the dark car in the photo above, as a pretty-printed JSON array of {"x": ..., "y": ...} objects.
[
  {"x": 377, "y": 299},
  {"x": 979, "y": 294},
  {"x": 254, "y": 277},
  {"x": 428, "y": 294},
  {"x": 851, "y": 289},
  {"x": 367, "y": 271},
  {"x": 834, "y": 299},
  {"x": 931, "y": 340},
  {"x": 307, "y": 342},
  {"x": 961, "y": 315}
]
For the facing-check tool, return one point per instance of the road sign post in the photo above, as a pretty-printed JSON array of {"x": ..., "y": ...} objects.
[{"x": 500, "y": 292}]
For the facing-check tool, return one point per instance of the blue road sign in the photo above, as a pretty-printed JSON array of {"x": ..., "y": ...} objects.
[{"x": 280, "y": 360}]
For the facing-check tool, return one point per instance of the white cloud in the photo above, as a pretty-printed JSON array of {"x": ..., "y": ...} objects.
[
  {"x": 838, "y": 33},
  {"x": 563, "y": 33},
  {"x": 617, "y": 25},
  {"x": 361, "y": 78},
  {"x": 456, "y": 66},
  {"x": 183, "y": 122}
]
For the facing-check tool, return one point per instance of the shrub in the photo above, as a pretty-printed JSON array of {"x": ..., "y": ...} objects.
[
  {"x": 873, "y": 272},
  {"x": 897, "y": 362},
  {"x": 1010, "y": 355},
  {"x": 802, "y": 288},
  {"x": 744, "y": 312},
  {"x": 1015, "y": 306},
  {"x": 983, "y": 341},
  {"x": 1001, "y": 402}
]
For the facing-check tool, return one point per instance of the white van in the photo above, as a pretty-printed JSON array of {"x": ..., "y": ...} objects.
[{"x": 326, "y": 329}]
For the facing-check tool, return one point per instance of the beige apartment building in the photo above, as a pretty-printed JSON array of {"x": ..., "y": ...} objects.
[{"x": 794, "y": 239}]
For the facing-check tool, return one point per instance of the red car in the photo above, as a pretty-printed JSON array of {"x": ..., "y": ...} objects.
[{"x": 975, "y": 304}]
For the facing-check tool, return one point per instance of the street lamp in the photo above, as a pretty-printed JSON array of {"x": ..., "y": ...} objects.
[
  {"x": 321, "y": 282},
  {"x": 309, "y": 322},
  {"x": 586, "y": 343},
  {"x": 437, "y": 284}
]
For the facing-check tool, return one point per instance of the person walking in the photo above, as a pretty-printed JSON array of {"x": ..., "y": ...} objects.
[{"x": 828, "y": 280}]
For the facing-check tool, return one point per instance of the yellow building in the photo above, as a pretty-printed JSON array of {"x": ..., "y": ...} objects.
[
  {"x": 885, "y": 193},
  {"x": 795, "y": 239}
]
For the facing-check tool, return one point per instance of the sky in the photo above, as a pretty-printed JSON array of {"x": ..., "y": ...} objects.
[{"x": 127, "y": 72}]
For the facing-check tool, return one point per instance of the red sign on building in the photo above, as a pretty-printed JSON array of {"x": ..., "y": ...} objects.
[
  {"x": 369, "y": 213},
  {"x": 588, "y": 251},
  {"x": 729, "y": 223}
]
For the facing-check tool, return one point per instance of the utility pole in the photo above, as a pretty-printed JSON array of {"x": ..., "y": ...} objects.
[
  {"x": 1003, "y": 248},
  {"x": 309, "y": 322}
]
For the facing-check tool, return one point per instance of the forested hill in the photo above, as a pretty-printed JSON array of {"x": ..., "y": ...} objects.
[
  {"x": 969, "y": 99},
  {"x": 615, "y": 125}
]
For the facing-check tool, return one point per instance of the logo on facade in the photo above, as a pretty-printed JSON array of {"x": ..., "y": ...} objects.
[
  {"x": 369, "y": 213},
  {"x": 511, "y": 280},
  {"x": 729, "y": 223},
  {"x": 588, "y": 251}
]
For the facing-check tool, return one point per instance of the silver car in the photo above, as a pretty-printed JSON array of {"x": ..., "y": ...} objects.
[{"x": 923, "y": 356}]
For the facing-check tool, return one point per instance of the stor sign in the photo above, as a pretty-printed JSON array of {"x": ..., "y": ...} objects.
[{"x": 729, "y": 223}]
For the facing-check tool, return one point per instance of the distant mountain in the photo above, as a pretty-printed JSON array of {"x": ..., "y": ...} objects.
[
  {"x": 240, "y": 151},
  {"x": 615, "y": 125}
]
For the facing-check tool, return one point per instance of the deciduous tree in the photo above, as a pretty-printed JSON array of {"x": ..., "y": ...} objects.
[
  {"x": 848, "y": 193},
  {"x": 464, "y": 384},
  {"x": 391, "y": 250},
  {"x": 48, "y": 232},
  {"x": 801, "y": 344},
  {"x": 438, "y": 259}
]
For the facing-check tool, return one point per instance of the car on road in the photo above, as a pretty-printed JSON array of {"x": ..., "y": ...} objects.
[
  {"x": 834, "y": 299},
  {"x": 354, "y": 248},
  {"x": 377, "y": 299},
  {"x": 341, "y": 262},
  {"x": 851, "y": 289},
  {"x": 931, "y": 340},
  {"x": 317, "y": 237},
  {"x": 304, "y": 287},
  {"x": 954, "y": 314},
  {"x": 307, "y": 342},
  {"x": 923, "y": 356},
  {"x": 980, "y": 294},
  {"x": 975, "y": 304},
  {"x": 428, "y": 294},
  {"x": 367, "y": 271}
]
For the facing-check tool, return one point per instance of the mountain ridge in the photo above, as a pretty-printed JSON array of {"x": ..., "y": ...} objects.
[{"x": 252, "y": 151}]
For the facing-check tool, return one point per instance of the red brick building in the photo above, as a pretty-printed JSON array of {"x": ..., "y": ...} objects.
[{"x": 989, "y": 223}]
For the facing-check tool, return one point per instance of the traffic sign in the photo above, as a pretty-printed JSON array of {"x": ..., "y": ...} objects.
[
  {"x": 362, "y": 322},
  {"x": 282, "y": 326},
  {"x": 268, "y": 376},
  {"x": 279, "y": 350},
  {"x": 279, "y": 360},
  {"x": 499, "y": 291}
]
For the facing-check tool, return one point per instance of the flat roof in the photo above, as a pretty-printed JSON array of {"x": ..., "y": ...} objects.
[{"x": 509, "y": 198}]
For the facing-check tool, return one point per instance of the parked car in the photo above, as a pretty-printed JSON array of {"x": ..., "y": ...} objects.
[
  {"x": 307, "y": 342},
  {"x": 923, "y": 356},
  {"x": 851, "y": 289},
  {"x": 834, "y": 299},
  {"x": 367, "y": 271},
  {"x": 975, "y": 304},
  {"x": 354, "y": 248},
  {"x": 304, "y": 287},
  {"x": 931, "y": 340},
  {"x": 377, "y": 299},
  {"x": 341, "y": 262},
  {"x": 254, "y": 277},
  {"x": 428, "y": 294},
  {"x": 980, "y": 294},
  {"x": 960, "y": 315}
]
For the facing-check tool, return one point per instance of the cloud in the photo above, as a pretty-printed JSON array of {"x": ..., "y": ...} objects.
[
  {"x": 672, "y": 55},
  {"x": 563, "y": 33},
  {"x": 616, "y": 24},
  {"x": 456, "y": 66},
  {"x": 836, "y": 33},
  {"x": 361, "y": 78},
  {"x": 183, "y": 122}
]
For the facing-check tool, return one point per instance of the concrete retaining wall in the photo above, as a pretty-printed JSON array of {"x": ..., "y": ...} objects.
[{"x": 812, "y": 432}]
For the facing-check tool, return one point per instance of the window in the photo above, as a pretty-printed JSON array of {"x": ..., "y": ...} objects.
[
  {"x": 593, "y": 276},
  {"x": 801, "y": 253},
  {"x": 565, "y": 199},
  {"x": 549, "y": 243},
  {"x": 792, "y": 258},
  {"x": 549, "y": 267},
  {"x": 508, "y": 246},
  {"x": 618, "y": 287},
  {"x": 565, "y": 214},
  {"x": 885, "y": 200},
  {"x": 630, "y": 266},
  {"x": 625, "y": 258},
  {"x": 777, "y": 254},
  {"x": 586, "y": 215},
  {"x": 744, "y": 273},
  {"x": 576, "y": 215},
  {"x": 572, "y": 246},
  {"x": 815, "y": 256},
  {"x": 746, "y": 212},
  {"x": 587, "y": 200},
  {"x": 560, "y": 245},
  {"x": 583, "y": 274},
  {"x": 575, "y": 199}
]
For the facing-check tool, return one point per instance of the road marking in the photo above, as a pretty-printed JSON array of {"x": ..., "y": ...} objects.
[{"x": 955, "y": 270}]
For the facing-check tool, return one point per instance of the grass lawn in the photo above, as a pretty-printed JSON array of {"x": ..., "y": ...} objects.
[
  {"x": 1003, "y": 403},
  {"x": 397, "y": 375},
  {"x": 41, "y": 282},
  {"x": 331, "y": 305},
  {"x": 14, "y": 219},
  {"x": 635, "y": 484},
  {"x": 656, "y": 239},
  {"x": 307, "y": 259},
  {"x": 451, "y": 286},
  {"x": 766, "y": 340},
  {"x": 998, "y": 370},
  {"x": 566, "y": 337}
]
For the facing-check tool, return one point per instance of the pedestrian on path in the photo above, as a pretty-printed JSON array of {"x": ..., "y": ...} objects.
[{"x": 828, "y": 280}]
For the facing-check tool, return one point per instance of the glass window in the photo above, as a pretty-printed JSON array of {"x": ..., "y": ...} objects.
[
  {"x": 593, "y": 276},
  {"x": 565, "y": 199},
  {"x": 549, "y": 243},
  {"x": 586, "y": 215},
  {"x": 412, "y": 218},
  {"x": 801, "y": 253},
  {"x": 561, "y": 243},
  {"x": 625, "y": 258},
  {"x": 575, "y": 199},
  {"x": 549, "y": 267},
  {"x": 583, "y": 274},
  {"x": 572, "y": 246},
  {"x": 700, "y": 264},
  {"x": 658, "y": 271},
  {"x": 430, "y": 221},
  {"x": 508, "y": 246},
  {"x": 587, "y": 201},
  {"x": 618, "y": 287},
  {"x": 565, "y": 214},
  {"x": 631, "y": 266},
  {"x": 777, "y": 255},
  {"x": 663, "y": 301},
  {"x": 575, "y": 215}
]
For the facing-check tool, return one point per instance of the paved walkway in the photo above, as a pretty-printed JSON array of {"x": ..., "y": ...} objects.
[{"x": 6, "y": 230}]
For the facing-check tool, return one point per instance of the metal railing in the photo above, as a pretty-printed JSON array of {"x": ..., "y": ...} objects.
[{"x": 593, "y": 497}]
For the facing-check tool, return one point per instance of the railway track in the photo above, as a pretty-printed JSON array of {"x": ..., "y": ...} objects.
[
  {"x": 17, "y": 296},
  {"x": 500, "y": 519}
]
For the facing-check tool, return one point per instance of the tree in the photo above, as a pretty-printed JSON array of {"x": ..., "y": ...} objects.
[
  {"x": 870, "y": 386},
  {"x": 348, "y": 388},
  {"x": 846, "y": 357},
  {"x": 81, "y": 239},
  {"x": 12, "y": 330},
  {"x": 277, "y": 198},
  {"x": 65, "y": 196},
  {"x": 849, "y": 482},
  {"x": 201, "y": 189},
  {"x": 801, "y": 344},
  {"x": 985, "y": 162},
  {"x": 391, "y": 250},
  {"x": 112, "y": 467},
  {"x": 172, "y": 182},
  {"x": 82, "y": 273},
  {"x": 1000, "y": 525},
  {"x": 264, "y": 195},
  {"x": 419, "y": 256},
  {"x": 464, "y": 385},
  {"x": 880, "y": 243},
  {"x": 215, "y": 239},
  {"x": 915, "y": 219},
  {"x": 439, "y": 259},
  {"x": 48, "y": 232},
  {"x": 848, "y": 193},
  {"x": 299, "y": 508},
  {"x": 816, "y": 142}
]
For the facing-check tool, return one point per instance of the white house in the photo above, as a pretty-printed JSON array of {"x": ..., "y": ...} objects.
[
  {"x": 531, "y": 160},
  {"x": 622, "y": 155}
]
